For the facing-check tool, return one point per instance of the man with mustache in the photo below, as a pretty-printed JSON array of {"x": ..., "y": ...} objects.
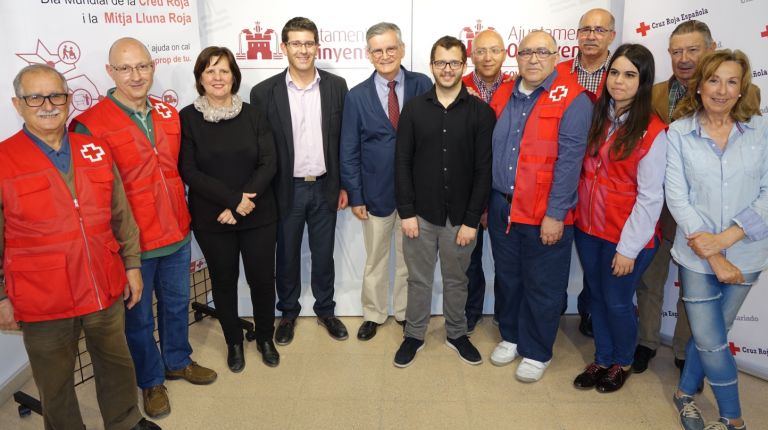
[
  {"x": 70, "y": 249},
  {"x": 538, "y": 148},
  {"x": 442, "y": 179},
  {"x": 596, "y": 33}
]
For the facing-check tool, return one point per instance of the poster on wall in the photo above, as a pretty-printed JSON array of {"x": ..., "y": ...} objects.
[
  {"x": 74, "y": 37},
  {"x": 651, "y": 23}
]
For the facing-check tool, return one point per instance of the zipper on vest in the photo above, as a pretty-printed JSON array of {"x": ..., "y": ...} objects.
[
  {"x": 592, "y": 193},
  {"x": 88, "y": 252}
]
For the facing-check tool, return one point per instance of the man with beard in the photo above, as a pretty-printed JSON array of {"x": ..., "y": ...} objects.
[{"x": 442, "y": 180}]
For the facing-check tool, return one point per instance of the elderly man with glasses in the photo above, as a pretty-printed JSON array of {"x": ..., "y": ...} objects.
[
  {"x": 538, "y": 147},
  {"x": 144, "y": 135},
  {"x": 442, "y": 180},
  {"x": 369, "y": 128},
  {"x": 69, "y": 250}
]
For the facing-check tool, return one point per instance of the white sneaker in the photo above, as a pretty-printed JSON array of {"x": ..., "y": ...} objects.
[
  {"x": 504, "y": 353},
  {"x": 531, "y": 370}
]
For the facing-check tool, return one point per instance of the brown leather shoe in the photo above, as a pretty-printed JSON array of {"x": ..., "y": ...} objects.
[
  {"x": 156, "y": 402},
  {"x": 193, "y": 373}
]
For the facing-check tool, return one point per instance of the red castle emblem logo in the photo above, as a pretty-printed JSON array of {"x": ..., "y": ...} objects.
[
  {"x": 259, "y": 45},
  {"x": 467, "y": 35}
]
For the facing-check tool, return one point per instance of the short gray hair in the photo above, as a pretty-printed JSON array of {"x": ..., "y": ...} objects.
[
  {"x": 381, "y": 28},
  {"x": 33, "y": 68}
]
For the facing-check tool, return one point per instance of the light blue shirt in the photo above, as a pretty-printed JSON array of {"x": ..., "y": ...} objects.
[
  {"x": 710, "y": 190},
  {"x": 382, "y": 90}
]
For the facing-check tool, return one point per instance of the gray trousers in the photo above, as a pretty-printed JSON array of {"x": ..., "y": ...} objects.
[
  {"x": 650, "y": 297},
  {"x": 421, "y": 256}
]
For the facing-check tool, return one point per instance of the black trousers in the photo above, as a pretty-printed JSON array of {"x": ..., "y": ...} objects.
[{"x": 222, "y": 253}]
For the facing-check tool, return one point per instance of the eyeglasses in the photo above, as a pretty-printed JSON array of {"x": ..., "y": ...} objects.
[
  {"x": 480, "y": 52},
  {"x": 541, "y": 53},
  {"x": 296, "y": 45},
  {"x": 36, "y": 100},
  {"x": 440, "y": 64},
  {"x": 378, "y": 53},
  {"x": 599, "y": 31},
  {"x": 125, "y": 69},
  {"x": 677, "y": 53}
]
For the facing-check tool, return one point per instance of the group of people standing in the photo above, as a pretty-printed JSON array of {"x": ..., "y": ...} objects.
[{"x": 579, "y": 151}]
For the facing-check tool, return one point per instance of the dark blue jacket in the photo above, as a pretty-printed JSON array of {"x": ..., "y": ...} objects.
[{"x": 367, "y": 149}]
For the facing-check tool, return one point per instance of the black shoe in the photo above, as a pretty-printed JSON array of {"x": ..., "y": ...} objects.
[
  {"x": 284, "y": 332},
  {"x": 335, "y": 327},
  {"x": 144, "y": 424},
  {"x": 643, "y": 355},
  {"x": 680, "y": 364},
  {"x": 585, "y": 325},
  {"x": 589, "y": 377},
  {"x": 467, "y": 352},
  {"x": 472, "y": 323},
  {"x": 235, "y": 357},
  {"x": 613, "y": 379},
  {"x": 269, "y": 354},
  {"x": 367, "y": 330},
  {"x": 407, "y": 351}
]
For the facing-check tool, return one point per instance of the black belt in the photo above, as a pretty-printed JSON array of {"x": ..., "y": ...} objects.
[{"x": 309, "y": 178}]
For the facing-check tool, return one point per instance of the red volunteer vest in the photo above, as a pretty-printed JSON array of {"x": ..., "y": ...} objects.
[
  {"x": 566, "y": 67},
  {"x": 608, "y": 188},
  {"x": 538, "y": 152},
  {"x": 61, "y": 259},
  {"x": 150, "y": 175},
  {"x": 500, "y": 96}
]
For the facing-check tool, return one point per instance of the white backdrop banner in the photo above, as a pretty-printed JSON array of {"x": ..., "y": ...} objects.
[
  {"x": 743, "y": 25},
  {"x": 74, "y": 36}
]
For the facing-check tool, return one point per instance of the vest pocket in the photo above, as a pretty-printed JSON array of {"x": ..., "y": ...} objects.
[
  {"x": 101, "y": 180},
  {"x": 617, "y": 211},
  {"x": 39, "y": 284},
  {"x": 124, "y": 149},
  {"x": 543, "y": 187},
  {"x": 145, "y": 213},
  {"x": 33, "y": 198}
]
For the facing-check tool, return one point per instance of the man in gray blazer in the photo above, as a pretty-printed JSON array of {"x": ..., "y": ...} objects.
[{"x": 304, "y": 106}]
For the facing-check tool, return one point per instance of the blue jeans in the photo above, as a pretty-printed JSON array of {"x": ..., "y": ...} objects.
[
  {"x": 711, "y": 307},
  {"x": 168, "y": 278},
  {"x": 532, "y": 281},
  {"x": 614, "y": 322},
  {"x": 476, "y": 282}
]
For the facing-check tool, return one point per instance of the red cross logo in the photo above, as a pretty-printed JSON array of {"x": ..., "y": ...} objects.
[
  {"x": 558, "y": 93},
  {"x": 643, "y": 28},
  {"x": 764, "y": 33},
  {"x": 92, "y": 152},
  {"x": 197, "y": 265},
  {"x": 163, "y": 110},
  {"x": 734, "y": 349}
]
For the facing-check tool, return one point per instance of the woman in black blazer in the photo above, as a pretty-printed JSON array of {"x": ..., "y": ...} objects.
[{"x": 227, "y": 159}]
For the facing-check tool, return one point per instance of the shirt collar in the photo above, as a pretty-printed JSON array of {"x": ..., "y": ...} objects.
[
  {"x": 577, "y": 63},
  {"x": 695, "y": 128},
  {"x": 63, "y": 149},
  {"x": 544, "y": 85},
  {"x": 432, "y": 95},
  {"x": 290, "y": 83},
  {"x": 128, "y": 110},
  {"x": 481, "y": 83},
  {"x": 381, "y": 81}
]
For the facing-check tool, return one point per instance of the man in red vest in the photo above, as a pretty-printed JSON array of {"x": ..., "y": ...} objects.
[
  {"x": 538, "y": 147},
  {"x": 493, "y": 87},
  {"x": 66, "y": 239},
  {"x": 144, "y": 135},
  {"x": 597, "y": 29}
]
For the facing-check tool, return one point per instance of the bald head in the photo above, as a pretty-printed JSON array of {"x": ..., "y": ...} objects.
[
  {"x": 595, "y": 35},
  {"x": 602, "y": 15},
  {"x": 488, "y": 54},
  {"x": 126, "y": 44}
]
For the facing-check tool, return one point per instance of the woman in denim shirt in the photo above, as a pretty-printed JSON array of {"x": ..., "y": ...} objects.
[{"x": 717, "y": 191}]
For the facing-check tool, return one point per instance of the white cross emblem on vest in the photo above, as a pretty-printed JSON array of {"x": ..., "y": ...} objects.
[
  {"x": 92, "y": 152},
  {"x": 163, "y": 110},
  {"x": 558, "y": 93}
]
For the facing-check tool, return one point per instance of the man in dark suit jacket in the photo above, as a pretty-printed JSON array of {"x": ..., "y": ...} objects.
[
  {"x": 371, "y": 115},
  {"x": 303, "y": 106}
]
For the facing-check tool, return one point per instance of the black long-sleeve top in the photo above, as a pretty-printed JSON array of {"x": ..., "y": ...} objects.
[
  {"x": 443, "y": 159},
  {"x": 220, "y": 161}
]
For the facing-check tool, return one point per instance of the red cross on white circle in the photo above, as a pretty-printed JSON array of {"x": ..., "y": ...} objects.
[{"x": 92, "y": 152}]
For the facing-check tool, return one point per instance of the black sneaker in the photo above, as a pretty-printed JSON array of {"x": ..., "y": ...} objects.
[
  {"x": 467, "y": 352},
  {"x": 407, "y": 351},
  {"x": 585, "y": 325},
  {"x": 643, "y": 355}
]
